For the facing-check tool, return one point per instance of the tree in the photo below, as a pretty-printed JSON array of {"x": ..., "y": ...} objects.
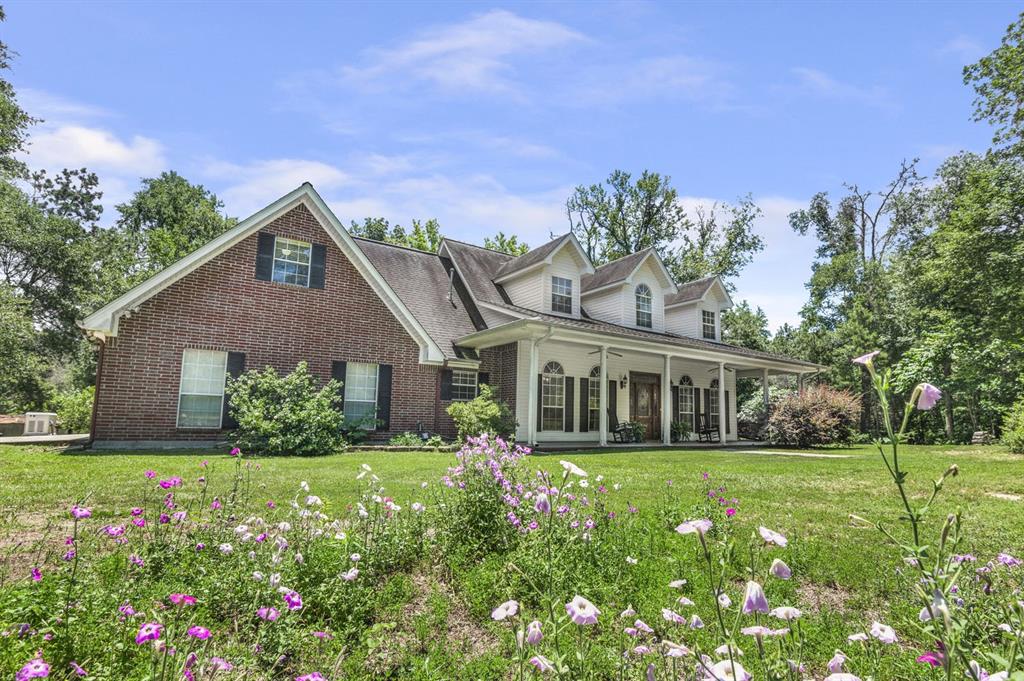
[
  {"x": 998, "y": 82},
  {"x": 621, "y": 217},
  {"x": 746, "y": 327},
  {"x": 23, "y": 370},
  {"x": 14, "y": 121},
  {"x": 165, "y": 220},
  {"x": 506, "y": 244},
  {"x": 425, "y": 236}
]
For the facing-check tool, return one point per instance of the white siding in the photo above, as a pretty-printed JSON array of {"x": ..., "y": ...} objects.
[
  {"x": 527, "y": 291},
  {"x": 683, "y": 320},
  {"x": 645, "y": 275},
  {"x": 606, "y": 305},
  {"x": 565, "y": 264}
]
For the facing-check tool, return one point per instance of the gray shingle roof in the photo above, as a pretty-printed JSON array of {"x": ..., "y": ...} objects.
[
  {"x": 614, "y": 271},
  {"x": 421, "y": 282},
  {"x": 531, "y": 257},
  {"x": 478, "y": 267},
  {"x": 690, "y": 291}
]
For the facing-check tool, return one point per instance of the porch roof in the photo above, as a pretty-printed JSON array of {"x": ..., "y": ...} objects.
[{"x": 592, "y": 331}]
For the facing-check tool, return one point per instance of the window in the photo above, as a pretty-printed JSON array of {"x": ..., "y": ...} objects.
[
  {"x": 464, "y": 384},
  {"x": 713, "y": 406},
  {"x": 291, "y": 261},
  {"x": 361, "y": 394},
  {"x": 552, "y": 397},
  {"x": 201, "y": 392},
  {"x": 594, "y": 399},
  {"x": 561, "y": 295},
  {"x": 643, "y": 306},
  {"x": 686, "y": 400},
  {"x": 708, "y": 317}
]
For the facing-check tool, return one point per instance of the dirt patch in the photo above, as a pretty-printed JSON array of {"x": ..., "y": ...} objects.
[
  {"x": 817, "y": 598},
  {"x": 1005, "y": 496},
  {"x": 26, "y": 540}
]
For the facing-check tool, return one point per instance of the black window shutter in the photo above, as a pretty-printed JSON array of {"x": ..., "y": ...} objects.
[
  {"x": 613, "y": 408},
  {"x": 569, "y": 416},
  {"x": 484, "y": 378},
  {"x": 236, "y": 365},
  {"x": 265, "y": 256},
  {"x": 707, "y": 406},
  {"x": 384, "y": 397},
  {"x": 317, "y": 266},
  {"x": 675, "y": 403},
  {"x": 584, "y": 405},
  {"x": 540, "y": 402},
  {"x": 446, "y": 384},
  {"x": 338, "y": 374},
  {"x": 696, "y": 409},
  {"x": 728, "y": 426}
]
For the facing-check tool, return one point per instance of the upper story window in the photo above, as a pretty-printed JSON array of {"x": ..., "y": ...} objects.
[
  {"x": 464, "y": 385},
  {"x": 561, "y": 295},
  {"x": 291, "y": 261},
  {"x": 708, "y": 323},
  {"x": 643, "y": 306},
  {"x": 552, "y": 395}
]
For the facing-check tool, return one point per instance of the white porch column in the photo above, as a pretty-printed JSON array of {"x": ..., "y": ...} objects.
[
  {"x": 666, "y": 402},
  {"x": 764, "y": 386},
  {"x": 721, "y": 401},
  {"x": 531, "y": 413},
  {"x": 603, "y": 413}
]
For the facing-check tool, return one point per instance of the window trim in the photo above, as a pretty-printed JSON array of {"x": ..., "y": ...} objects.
[
  {"x": 638, "y": 296},
  {"x": 704, "y": 324},
  {"x": 686, "y": 384},
  {"x": 274, "y": 260},
  {"x": 376, "y": 390},
  {"x": 181, "y": 381},
  {"x": 475, "y": 385},
  {"x": 594, "y": 386},
  {"x": 713, "y": 415},
  {"x": 556, "y": 295},
  {"x": 549, "y": 376}
]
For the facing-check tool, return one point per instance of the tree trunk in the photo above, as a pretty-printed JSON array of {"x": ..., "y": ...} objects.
[{"x": 947, "y": 399}]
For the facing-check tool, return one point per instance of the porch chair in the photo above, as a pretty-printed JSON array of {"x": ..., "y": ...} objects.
[
  {"x": 705, "y": 433},
  {"x": 620, "y": 431}
]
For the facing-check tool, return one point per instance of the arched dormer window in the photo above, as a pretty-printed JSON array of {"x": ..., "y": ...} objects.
[
  {"x": 552, "y": 395},
  {"x": 686, "y": 411},
  {"x": 643, "y": 306}
]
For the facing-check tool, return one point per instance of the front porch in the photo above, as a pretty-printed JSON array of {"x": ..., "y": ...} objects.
[{"x": 552, "y": 447}]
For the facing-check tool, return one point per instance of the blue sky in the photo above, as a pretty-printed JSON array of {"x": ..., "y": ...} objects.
[{"x": 485, "y": 116}]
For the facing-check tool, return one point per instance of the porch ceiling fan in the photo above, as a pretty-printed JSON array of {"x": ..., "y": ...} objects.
[
  {"x": 610, "y": 352},
  {"x": 713, "y": 369}
]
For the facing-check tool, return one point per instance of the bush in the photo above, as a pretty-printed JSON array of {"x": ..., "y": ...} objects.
[
  {"x": 681, "y": 431},
  {"x": 1013, "y": 431},
  {"x": 74, "y": 409},
  {"x": 483, "y": 414},
  {"x": 408, "y": 439},
  {"x": 820, "y": 416},
  {"x": 289, "y": 415}
]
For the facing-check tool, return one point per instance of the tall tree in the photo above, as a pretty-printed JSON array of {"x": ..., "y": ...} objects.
[
  {"x": 506, "y": 244},
  {"x": 998, "y": 82},
  {"x": 746, "y": 327},
  {"x": 621, "y": 217},
  {"x": 14, "y": 121},
  {"x": 425, "y": 236}
]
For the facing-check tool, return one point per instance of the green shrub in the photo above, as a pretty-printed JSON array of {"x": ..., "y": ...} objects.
[
  {"x": 483, "y": 414},
  {"x": 1013, "y": 429},
  {"x": 821, "y": 416},
  {"x": 408, "y": 439},
  {"x": 681, "y": 431},
  {"x": 74, "y": 409},
  {"x": 286, "y": 415}
]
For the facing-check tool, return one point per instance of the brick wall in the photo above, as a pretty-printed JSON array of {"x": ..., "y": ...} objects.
[
  {"x": 500, "y": 361},
  {"x": 223, "y": 306}
]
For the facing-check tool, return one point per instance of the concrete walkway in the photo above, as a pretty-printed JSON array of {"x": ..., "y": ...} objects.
[{"x": 69, "y": 439}]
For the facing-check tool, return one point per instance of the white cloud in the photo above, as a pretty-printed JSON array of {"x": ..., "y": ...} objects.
[
  {"x": 73, "y": 146},
  {"x": 247, "y": 188},
  {"x": 962, "y": 47},
  {"x": 822, "y": 84},
  {"x": 476, "y": 54},
  {"x": 54, "y": 108},
  {"x": 671, "y": 76}
]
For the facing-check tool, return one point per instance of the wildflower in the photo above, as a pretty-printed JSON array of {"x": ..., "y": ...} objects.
[
  {"x": 76, "y": 669},
  {"x": 418, "y": 507},
  {"x": 505, "y": 610},
  {"x": 80, "y": 512},
  {"x": 37, "y": 574},
  {"x": 677, "y": 584},
  {"x": 573, "y": 468},
  {"x": 543, "y": 504},
  {"x": 542, "y": 663},
  {"x": 675, "y": 649},
  {"x": 929, "y": 396},
  {"x": 219, "y": 664},
  {"x": 201, "y": 633},
  {"x": 215, "y": 505},
  {"x": 312, "y": 676},
  {"x": 700, "y": 527},
  {"x": 858, "y": 637},
  {"x": 1008, "y": 560},
  {"x": 182, "y": 599},
  {"x": 867, "y": 359},
  {"x": 268, "y": 614},
  {"x": 226, "y": 548},
  {"x": 150, "y": 631},
  {"x": 728, "y": 670},
  {"x": 883, "y": 633},
  {"x": 323, "y": 635},
  {"x": 684, "y": 601},
  {"x": 350, "y": 575},
  {"x": 772, "y": 537},
  {"x": 355, "y": 557},
  {"x": 842, "y": 676},
  {"x": 150, "y": 474},
  {"x": 631, "y": 560},
  {"x": 581, "y": 611},
  {"x": 835, "y": 665},
  {"x": 696, "y": 622},
  {"x": 730, "y": 512},
  {"x": 292, "y": 599},
  {"x": 725, "y": 649},
  {"x": 628, "y": 612},
  {"x": 36, "y": 668},
  {"x": 780, "y": 570},
  {"x": 643, "y": 626},
  {"x": 787, "y": 613},
  {"x": 235, "y": 451},
  {"x": 754, "y": 599},
  {"x": 724, "y": 600},
  {"x": 931, "y": 658},
  {"x": 534, "y": 633}
]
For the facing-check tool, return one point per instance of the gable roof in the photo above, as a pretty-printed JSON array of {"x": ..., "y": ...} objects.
[
  {"x": 539, "y": 255},
  {"x": 476, "y": 267},
  {"x": 421, "y": 280},
  {"x": 619, "y": 271},
  {"x": 695, "y": 290},
  {"x": 103, "y": 323}
]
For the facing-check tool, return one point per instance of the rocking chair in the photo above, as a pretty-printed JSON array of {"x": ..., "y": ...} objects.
[{"x": 705, "y": 433}]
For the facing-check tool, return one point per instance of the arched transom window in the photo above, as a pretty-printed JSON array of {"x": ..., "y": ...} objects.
[
  {"x": 552, "y": 396},
  {"x": 643, "y": 306}
]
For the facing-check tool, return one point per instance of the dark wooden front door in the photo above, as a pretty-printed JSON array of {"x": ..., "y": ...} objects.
[{"x": 645, "y": 403}]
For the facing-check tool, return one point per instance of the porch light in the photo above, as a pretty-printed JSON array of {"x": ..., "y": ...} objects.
[{"x": 623, "y": 380}]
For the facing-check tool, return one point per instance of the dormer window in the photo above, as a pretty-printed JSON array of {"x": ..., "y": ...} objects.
[
  {"x": 561, "y": 295},
  {"x": 708, "y": 319},
  {"x": 643, "y": 306}
]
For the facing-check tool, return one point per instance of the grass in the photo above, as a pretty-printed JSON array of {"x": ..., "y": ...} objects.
[{"x": 844, "y": 571}]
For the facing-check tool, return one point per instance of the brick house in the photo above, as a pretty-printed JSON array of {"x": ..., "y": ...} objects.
[{"x": 574, "y": 349}]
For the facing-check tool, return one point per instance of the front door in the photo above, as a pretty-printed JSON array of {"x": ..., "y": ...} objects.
[{"x": 645, "y": 403}]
